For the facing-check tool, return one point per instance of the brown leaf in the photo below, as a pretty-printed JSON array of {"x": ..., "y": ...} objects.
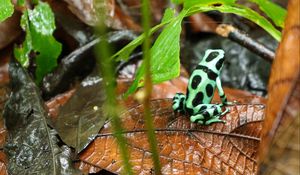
[
  {"x": 3, "y": 159},
  {"x": 283, "y": 101},
  {"x": 201, "y": 22},
  {"x": 239, "y": 97},
  {"x": 4, "y": 59},
  {"x": 283, "y": 156},
  {"x": 4, "y": 94},
  {"x": 133, "y": 9},
  {"x": 10, "y": 29},
  {"x": 184, "y": 148},
  {"x": 58, "y": 101},
  {"x": 86, "y": 10},
  {"x": 3, "y": 162}
]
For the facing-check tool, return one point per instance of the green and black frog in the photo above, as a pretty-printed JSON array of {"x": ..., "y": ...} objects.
[{"x": 201, "y": 86}]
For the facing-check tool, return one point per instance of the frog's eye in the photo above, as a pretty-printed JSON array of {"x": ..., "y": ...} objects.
[{"x": 212, "y": 56}]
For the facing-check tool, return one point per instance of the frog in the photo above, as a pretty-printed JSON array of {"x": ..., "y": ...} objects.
[{"x": 202, "y": 83}]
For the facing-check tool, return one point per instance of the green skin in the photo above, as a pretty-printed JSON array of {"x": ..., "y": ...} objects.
[{"x": 201, "y": 86}]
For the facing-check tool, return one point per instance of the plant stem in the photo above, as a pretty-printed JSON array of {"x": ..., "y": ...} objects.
[
  {"x": 241, "y": 38},
  {"x": 148, "y": 87},
  {"x": 111, "y": 106}
]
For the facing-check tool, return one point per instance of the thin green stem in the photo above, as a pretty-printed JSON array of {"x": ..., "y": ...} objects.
[
  {"x": 107, "y": 67},
  {"x": 148, "y": 87}
]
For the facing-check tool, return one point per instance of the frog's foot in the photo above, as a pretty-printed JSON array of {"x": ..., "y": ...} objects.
[
  {"x": 226, "y": 111},
  {"x": 198, "y": 118},
  {"x": 228, "y": 103},
  {"x": 214, "y": 120},
  {"x": 178, "y": 104}
]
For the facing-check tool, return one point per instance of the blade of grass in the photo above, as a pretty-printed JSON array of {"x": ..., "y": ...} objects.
[
  {"x": 148, "y": 87},
  {"x": 111, "y": 107}
]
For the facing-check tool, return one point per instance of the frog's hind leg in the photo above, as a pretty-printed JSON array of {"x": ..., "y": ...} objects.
[
  {"x": 178, "y": 104},
  {"x": 209, "y": 113},
  {"x": 198, "y": 118},
  {"x": 216, "y": 119},
  {"x": 206, "y": 113}
]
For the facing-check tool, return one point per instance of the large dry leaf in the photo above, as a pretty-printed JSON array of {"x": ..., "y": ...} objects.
[
  {"x": 184, "y": 148},
  {"x": 280, "y": 138}
]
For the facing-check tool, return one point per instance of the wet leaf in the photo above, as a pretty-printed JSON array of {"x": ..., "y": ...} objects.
[
  {"x": 280, "y": 137},
  {"x": 55, "y": 103},
  {"x": 184, "y": 148},
  {"x": 31, "y": 146},
  {"x": 81, "y": 118}
]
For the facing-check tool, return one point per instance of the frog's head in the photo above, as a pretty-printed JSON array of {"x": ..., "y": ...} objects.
[
  {"x": 213, "y": 59},
  {"x": 179, "y": 102}
]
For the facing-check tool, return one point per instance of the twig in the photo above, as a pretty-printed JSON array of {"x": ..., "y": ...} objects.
[{"x": 243, "y": 39}]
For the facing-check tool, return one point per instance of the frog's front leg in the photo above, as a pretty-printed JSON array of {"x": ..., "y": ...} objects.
[
  {"x": 179, "y": 102},
  {"x": 208, "y": 113},
  {"x": 221, "y": 92}
]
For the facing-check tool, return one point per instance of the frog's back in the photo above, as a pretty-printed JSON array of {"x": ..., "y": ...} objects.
[
  {"x": 201, "y": 89},
  {"x": 202, "y": 83}
]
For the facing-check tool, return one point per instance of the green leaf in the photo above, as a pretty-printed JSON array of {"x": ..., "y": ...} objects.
[
  {"x": 177, "y": 1},
  {"x": 6, "y": 9},
  {"x": 21, "y": 2},
  {"x": 168, "y": 15},
  {"x": 22, "y": 53},
  {"x": 124, "y": 53},
  {"x": 238, "y": 10},
  {"x": 164, "y": 62},
  {"x": 39, "y": 25},
  {"x": 189, "y": 3},
  {"x": 274, "y": 11},
  {"x": 165, "y": 53}
]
